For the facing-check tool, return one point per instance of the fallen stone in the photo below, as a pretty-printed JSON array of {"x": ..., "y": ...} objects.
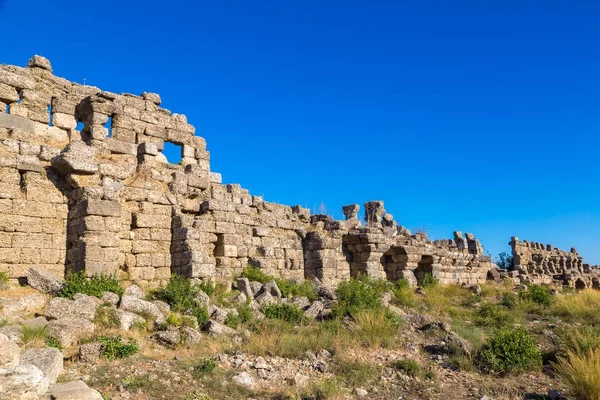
[
  {"x": 134, "y": 291},
  {"x": 110, "y": 298},
  {"x": 191, "y": 336},
  {"x": 39, "y": 62},
  {"x": 128, "y": 319},
  {"x": 264, "y": 298},
  {"x": 73, "y": 391},
  {"x": 60, "y": 307},
  {"x": 361, "y": 392},
  {"x": 314, "y": 310},
  {"x": 256, "y": 287},
  {"x": 49, "y": 360},
  {"x": 216, "y": 329},
  {"x": 15, "y": 307},
  {"x": 243, "y": 286},
  {"x": 13, "y": 332},
  {"x": 90, "y": 352},
  {"x": 168, "y": 338},
  {"x": 301, "y": 302},
  {"x": 272, "y": 288},
  {"x": 202, "y": 299},
  {"x": 9, "y": 352},
  {"x": 142, "y": 307},
  {"x": 326, "y": 292},
  {"x": 68, "y": 331},
  {"x": 244, "y": 379},
  {"x": 164, "y": 308},
  {"x": 24, "y": 382},
  {"x": 44, "y": 281}
]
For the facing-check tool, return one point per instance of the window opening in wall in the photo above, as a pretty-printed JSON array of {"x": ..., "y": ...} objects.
[
  {"x": 173, "y": 152},
  {"x": 22, "y": 183},
  {"x": 50, "y": 113},
  {"x": 108, "y": 126},
  {"x": 79, "y": 126},
  {"x": 20, "y": 97},
  {"x": 7, "y": 110}
]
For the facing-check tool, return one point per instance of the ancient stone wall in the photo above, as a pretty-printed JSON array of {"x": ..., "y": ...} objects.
[
  {"x": 544, "y": 263},
  {"x": 84, "y": 186}
]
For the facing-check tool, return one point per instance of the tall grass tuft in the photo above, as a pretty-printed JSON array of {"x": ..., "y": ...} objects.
[{"x": 581, "y": 372}]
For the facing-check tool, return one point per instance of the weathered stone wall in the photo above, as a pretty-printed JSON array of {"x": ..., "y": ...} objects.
[
  {"x": 84, "y": 186},
  {"x": 544, "y": 263}
]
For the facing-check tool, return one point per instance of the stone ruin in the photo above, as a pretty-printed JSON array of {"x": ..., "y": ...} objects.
[
  {"x": 84, "y": 186},
  {"x": 545, "y": 264}
]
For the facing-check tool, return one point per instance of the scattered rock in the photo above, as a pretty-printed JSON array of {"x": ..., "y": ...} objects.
[
  {"x": 244, "y": 287},
  {"x": 272, "y": 288},
  {"x": 68, "y": 331},
  {"x": 14, "y": 307},
  {"x": 128, "y": 319},
  {"x": 9, "y": 352},
  {"x": 301, "y": 302},
  {"x": 142, "y": 307},
  {"x": 256, "y": 287},
  {"x": 326, "y": 292},
  {"x": 24, "y": 382},
  {"x": 168, "y": 338},
  {"x": 73, "y": 391},
  {"x": 191, "y": 336},
  {"x": 134, "y": 291},
  {"x": 90, "y": 352},
  {"x": 264, "y": 298},
  {"x": 217, "y": 329},
  {"x": 163, "y": 307},
  {"x": 49, "y": 360},
  {"x": 314, "y": 310},
  {"x": 44, "y": 281},
  {"x": 110, "y": 298},
  {"x": 13, "y": 332},
  {"x": 361, "y": 392},
  {"x": 244, "y": 379},
  {"x": 60, "y": 307},
  {"x": 202, "y": 299}
]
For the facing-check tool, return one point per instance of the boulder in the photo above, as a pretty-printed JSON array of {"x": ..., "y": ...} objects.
[
  {"x": 48, "y": 360},
  {"x": 13, "y": 332},
  {"x": 83, "y": 307},
  {"x": 241, "y": 298},
  {"x": 202, "y": 299},
  {"x": 39, "y": 62},
  {"x": 142, "y": 307},
  {"x": 9, "y": 352},
  {"x": 264, "y": 298},
  {"x": 163, "y": 307},
  {"x": 216, "y": 329},
  {"x": 24, "y": 382},
  {"x": 314, "y": 310},
  {"x": 128, "y": 319},
  {"x": 191, "y": 336},
  {"x": 73, "y": 391},
  {"x": 44, "y": 281},
  {"x": 243, "y": 285},
  {"x": 134, "y": 291},
  {"x": 326, "y": 292},
  {"x": 90, "y": 352},
  {"x": 256, "y": 287},
  {"x": 68, "y": 331},
  {"x": 272, "y": 288},
  {"x": 110, "y": 298},
  {"x": 23, "y": 304},
  {"x": 244, "y": 379},
  {"x": 168, "y": 338},
  {"x": 301, "y": 302}
]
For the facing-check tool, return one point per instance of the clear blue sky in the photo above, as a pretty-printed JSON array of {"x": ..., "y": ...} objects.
[{"x": 480, "y": 116}]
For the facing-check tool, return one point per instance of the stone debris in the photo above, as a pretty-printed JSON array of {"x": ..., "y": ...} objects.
[
  {"x": 68, "y": 331},
  {"x": 83, "y": 307},
  {"x": 73, "y": 391},
  {"x": 48, "y": 360},
  {"x": 44, "y": 281},
  {"x": 24, "y": 382},
  {"x": 142, "y": 307},
  {"x": 9, "y": 352}
]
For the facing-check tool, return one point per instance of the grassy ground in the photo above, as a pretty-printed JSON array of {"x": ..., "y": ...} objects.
[{"x": 390, "y": 357}]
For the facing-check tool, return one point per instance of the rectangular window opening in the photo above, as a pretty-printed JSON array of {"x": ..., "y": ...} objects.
[{"x": 173, "y": 152}]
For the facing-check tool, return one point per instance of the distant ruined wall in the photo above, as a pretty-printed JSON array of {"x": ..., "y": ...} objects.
[
  {"x": 84, "y": 186},
  {"x": 544, "y": 263}
]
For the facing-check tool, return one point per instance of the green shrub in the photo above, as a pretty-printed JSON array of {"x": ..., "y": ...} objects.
[
  {"x": 492, "y": 315},
  {"x": 403, "y": 283},
  {"x": 284, "y": 312},
  {"x": 408, "y": 367},
  {"x": 356, "y": 373},
  {"x": 255, "y": 274},
  {"x": 134, "y": 383},
  {"x": 181, "y": 294},
  {"x": 204, "y": 367},
  {"x": 53, "y": 342},
  {"x": 581, "y": 372},
  {"x": 358, "y": 295},
  {"x": 208, "y": 287},
  {"x": 116, "y": 347},
  {"x": 93, "y": 286},
  {"x": 243, "y": 316},
  {"x": 290, "y": 289},
  {"x": 509, "y": 350},
  {"x": 107, "y": 318},
  {"x": 509, "y": 300},
  {"x": 3, "y": 279},
  {"x": 34, "y": 335},
  {"x": 537, "y": 294},
  {"x": 429, "y": 281}
]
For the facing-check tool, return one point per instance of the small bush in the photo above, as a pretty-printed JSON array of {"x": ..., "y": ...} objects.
[
  {"x": 579, "y": 340},
  {"x": 53, "y": 342},
  {"x": 204, "y": 367},
  {"x": 284, "y": 312},
  {"x": 492, "y": 315},
  {"x": 208, "y": 287},
  {"x": 117, "y": 347},
  {"x": 429, "y": 281},
  {"x": 581, "y": 372},
  {"x": 134, "y": 383},
  {"x": 376, "y": 328},
  {"x": 356, "y": 373},
  {"x": 94, "y": 286},
  {"x": 358, "y": 295},
  {"x": 290, "y": 289},
  {"x": 255, "y": 274},
  {"x": 408, "y": 367},
  {"x": 3, "y": 279},
  {"x": 403, "y": 283},
  {"x": 181, "y": 294},
  {"x": 537, "y": 294},
  {"x": 107, "y": 318},
  {"x": 243, "y": 316},
  {"x": 509, "y": 300},
  {"x": 580, "y": 306},
  {"x": 509, "y": 350}
]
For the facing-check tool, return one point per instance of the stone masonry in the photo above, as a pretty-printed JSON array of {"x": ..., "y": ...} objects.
[
  {"x": 84, "y": 186},
  {"x": 544, "y": 263}
]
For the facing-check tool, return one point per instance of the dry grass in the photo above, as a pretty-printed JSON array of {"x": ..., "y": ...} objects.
[
  {"x": 34, "y": 337},
  {"x": 582, "y": 306},
  {"x": 581, "y": 372}
]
